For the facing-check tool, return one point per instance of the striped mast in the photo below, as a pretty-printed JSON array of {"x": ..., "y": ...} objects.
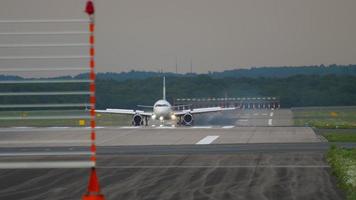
[
  {"x": 93, "y": 192},
  {"x": 90, "y": 11}
]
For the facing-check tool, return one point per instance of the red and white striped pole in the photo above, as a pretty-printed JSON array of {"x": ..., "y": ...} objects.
[
  {"x": 93, "y": 192},
  {"x": 90, "y": 10}
]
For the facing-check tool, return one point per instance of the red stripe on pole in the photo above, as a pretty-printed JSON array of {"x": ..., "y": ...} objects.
[
  {"x": 91, "y": 27},
  {"x": 91, "y": 39},
  {"x": 93, "y": 148},
  {"x": 93, "y": 135},
  {"x": 92, "y": 51},
  {"x": 92, "y": 75},
  {"x": 92, "y": 100},
  {"x": 93, "y": 158},
  {"x": 92, "y": 87},
  {"x": 92, "y": 63},
  {"x": 92, "y": 112},
  {"x": 92, "y": 123}
]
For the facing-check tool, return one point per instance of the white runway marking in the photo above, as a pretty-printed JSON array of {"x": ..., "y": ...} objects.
[
  {"x": 212, "y": 166},
  {"x": 242, "y": 120},
  {"x": 201, "y": 126},
  {"x": 77, "y": 153},
  {"x": 165, "y": 127},
  {"x": 270, "y": 122},
  {"x": 255, "y": 114},
  {"x": 208, "y": 139},
  {"x": 47, "y": 165},
  {"x": 228, "y": 127},
  {"x": 44, "y": 142},
  {"x": 264, "y": 114},
  {"x": 271, "y": 114},
  {"x": 125, "y": 127}
]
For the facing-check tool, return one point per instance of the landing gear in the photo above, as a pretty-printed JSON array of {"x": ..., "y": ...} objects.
[
  {"x": 179, "y": 121},
  {"x": 146, "y": 120}
]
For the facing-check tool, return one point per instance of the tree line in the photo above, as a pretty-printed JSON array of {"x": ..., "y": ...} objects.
[{"x": 293, "y": 91}]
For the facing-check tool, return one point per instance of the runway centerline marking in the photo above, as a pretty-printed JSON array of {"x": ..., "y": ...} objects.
[
  {"x": 208, "y": 139},
  {"x": 270, "y": 122},
  {"x": 271, "y": 114}
]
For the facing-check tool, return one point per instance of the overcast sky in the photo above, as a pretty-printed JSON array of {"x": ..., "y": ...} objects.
[{"x": 214, "y": 34}]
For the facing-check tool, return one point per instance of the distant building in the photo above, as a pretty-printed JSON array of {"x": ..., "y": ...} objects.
[{"x": 238, "y": 102}]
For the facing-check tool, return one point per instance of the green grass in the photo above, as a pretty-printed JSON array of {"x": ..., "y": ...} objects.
[
  {"x": 340, "y": 137},
  {"x": 343, "y": 163},
  {"x": 326, "y": 117},
  {"x": 102, "y": 119}
]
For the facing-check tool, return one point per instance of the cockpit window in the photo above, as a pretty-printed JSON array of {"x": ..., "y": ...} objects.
[{"x": 161, "y": 105}]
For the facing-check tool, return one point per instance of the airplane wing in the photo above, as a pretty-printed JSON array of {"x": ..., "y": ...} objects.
[
  {"x": 124, "y": 112},
  {"x": 202, "y": 110},
  {"x": 144, "y": 106}
]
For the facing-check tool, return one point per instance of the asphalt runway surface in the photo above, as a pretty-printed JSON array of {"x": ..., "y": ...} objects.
[
  {"x": 238, "y": 127},
  {"x": 33, "y": 137},
  {"x": 291, "y": 175},
  {"x": 251, "y": 154}
]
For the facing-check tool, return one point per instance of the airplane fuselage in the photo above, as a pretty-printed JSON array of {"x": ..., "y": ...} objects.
[{"x": 162, "y": 110}]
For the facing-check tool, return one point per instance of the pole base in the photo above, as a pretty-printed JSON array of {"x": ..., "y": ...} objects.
[{"x": 93, "y": 197}]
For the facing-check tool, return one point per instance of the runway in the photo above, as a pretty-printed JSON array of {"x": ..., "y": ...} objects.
[
  {"x": 156, "y": 136},
  {"x": 291, "y": 175},
  {"x": 242, "y": 155}
]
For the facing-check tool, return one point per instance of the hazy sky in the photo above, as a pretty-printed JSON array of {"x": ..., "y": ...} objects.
[{"x": 215, "y": 34}]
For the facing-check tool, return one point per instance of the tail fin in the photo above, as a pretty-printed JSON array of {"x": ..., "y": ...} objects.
[{"x": 164, "y": 88}]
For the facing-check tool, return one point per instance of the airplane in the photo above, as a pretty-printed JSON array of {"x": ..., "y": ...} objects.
[{"x": 163, "y": 110}]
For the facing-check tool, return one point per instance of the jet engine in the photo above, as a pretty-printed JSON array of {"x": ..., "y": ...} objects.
[
  {"x": 188, "y": 119},
  {"x": 137, "y": 120}
]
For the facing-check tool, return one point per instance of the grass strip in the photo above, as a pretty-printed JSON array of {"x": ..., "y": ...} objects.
[{"x": 343, "y": 163}]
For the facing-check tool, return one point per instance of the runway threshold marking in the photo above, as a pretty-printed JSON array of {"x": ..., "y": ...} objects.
[
  {"x": 208, "y": 139},
  {"x": 271, "y": 114},
  {"x": 270, "y": 122}
]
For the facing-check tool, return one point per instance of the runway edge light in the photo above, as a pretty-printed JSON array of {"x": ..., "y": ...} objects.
[{"x": 93, "y": 192}]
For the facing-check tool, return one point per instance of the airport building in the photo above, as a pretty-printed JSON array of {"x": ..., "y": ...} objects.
[{"x": 239, "y": 102}]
